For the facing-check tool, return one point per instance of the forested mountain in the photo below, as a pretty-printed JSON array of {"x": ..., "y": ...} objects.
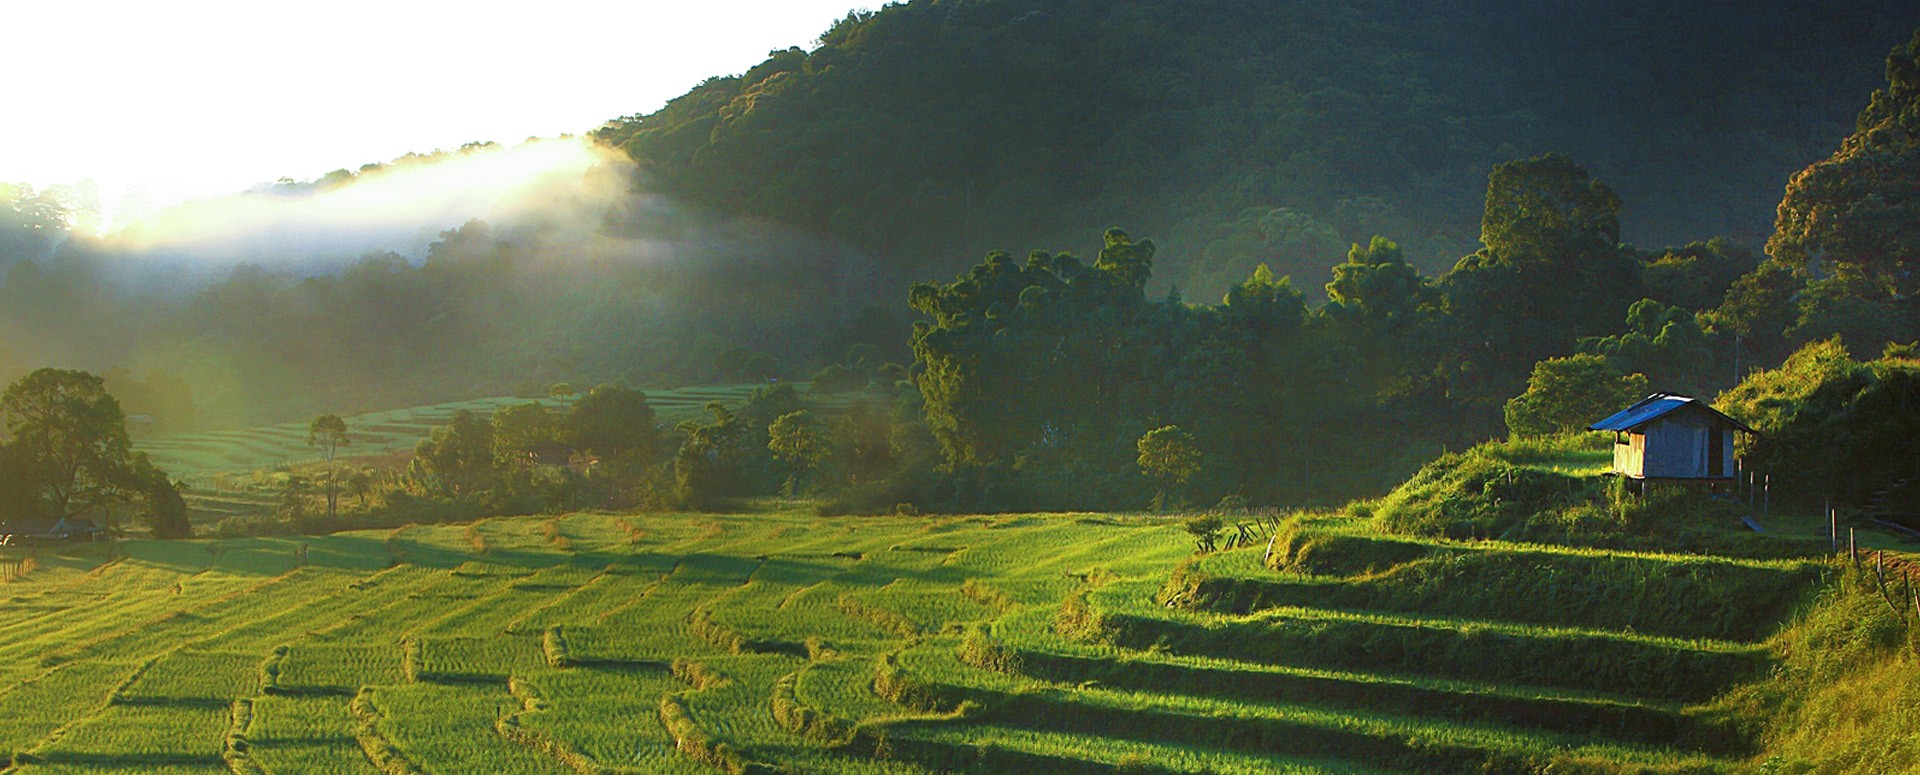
[{"x": 1241, "y": 132}]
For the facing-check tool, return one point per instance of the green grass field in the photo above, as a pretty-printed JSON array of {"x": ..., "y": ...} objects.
[{"x": 784, "y": 641}]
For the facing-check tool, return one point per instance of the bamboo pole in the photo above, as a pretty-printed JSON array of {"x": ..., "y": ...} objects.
[{"x": 1833, "y": 524}]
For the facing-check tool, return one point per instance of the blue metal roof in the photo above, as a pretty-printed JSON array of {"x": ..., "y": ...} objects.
[{"x": 1654, "y": 407}]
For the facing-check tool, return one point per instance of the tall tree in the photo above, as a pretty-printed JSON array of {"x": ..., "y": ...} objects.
[
  {"x": 795, "y": 439},
  {"x": 519, "y": 430},
  {"x": 70, "y": 438},
  {"x": 1551, "y": 271},
  {"x": 616, "y": 424},
  {"x": 1857, "y": 213},
  {"x": 456, "y": 460},
  {"x": 329, "y": 432},
  {"x": 1169, "y": 456}
]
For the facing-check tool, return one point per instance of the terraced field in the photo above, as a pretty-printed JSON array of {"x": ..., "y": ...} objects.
[
  {"x": 200, "y": 457},
  {"x": 783, "y": 641},
  {"x": 230, "y": 473}
]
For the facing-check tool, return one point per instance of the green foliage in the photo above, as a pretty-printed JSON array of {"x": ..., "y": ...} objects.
[
  {"x": 1565, "y": 395},
  {"x": 1850, "y": 215},
  {"x": 1204, "y": 529},
  {"x": 836, "y": 378},
  {"x": 520, "y": 430},
  {"x": 741, "y": 364},
  {"x": 457, "y": 460},
  {"x": 166, "y": 512},
  {"x": 795, "y": 440},
  {"x": 66, "y": 453},
  {"x": 1377, "y": 285},
  {"x": 1469, "y": 495},
  {"x": 1169, "y": 456},
  {"x": 1551, "y": 271},
  {"x": 1664, "y": 343},
  {"x": 1830, "y": 425},
  {"x": 1679, "y": 596},
  {"x": 614, "y": 423},
  {"x": 1548, "y": 491},
  {"x": 707, "y": 467},
  {"x": 1247, "y": 132}
]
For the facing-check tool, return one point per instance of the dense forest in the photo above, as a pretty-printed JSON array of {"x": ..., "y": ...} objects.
[
  {"x": 1241, "y": 132},
  {"x": 767, "y": 225}
]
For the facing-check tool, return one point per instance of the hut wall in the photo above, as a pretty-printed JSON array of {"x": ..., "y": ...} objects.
[
  {"x": 1678, "y": 445},
  {"x": 1629, "y": 457}
]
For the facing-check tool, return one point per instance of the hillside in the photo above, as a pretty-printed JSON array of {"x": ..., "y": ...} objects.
[
  {"x": 677, "y": 643},
  {"x": 1238, "y": 132}
]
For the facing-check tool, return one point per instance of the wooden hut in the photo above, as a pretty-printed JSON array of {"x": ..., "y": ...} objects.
[
  {"x": 29, "y": 530},
  {"x": 1672, "y": 438}
]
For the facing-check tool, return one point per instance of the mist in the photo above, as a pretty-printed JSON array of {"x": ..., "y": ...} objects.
[
  {"x": 398, "y": 206},
  {"x": 479, "y": 272}
]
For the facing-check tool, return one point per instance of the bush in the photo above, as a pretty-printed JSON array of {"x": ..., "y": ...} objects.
[
  {"x": 1474, "y": 495},
  {"x": 836, "y": 378}
]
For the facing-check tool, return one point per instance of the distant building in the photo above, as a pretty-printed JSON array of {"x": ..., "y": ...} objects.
[
  {"x": 1672, "y": 438},
  {"x": 44, "y": 530},
  {"x": 550, "y": 453}
]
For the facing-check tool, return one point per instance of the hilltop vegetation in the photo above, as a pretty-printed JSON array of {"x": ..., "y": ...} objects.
[{"x": 1245, "y": 132}]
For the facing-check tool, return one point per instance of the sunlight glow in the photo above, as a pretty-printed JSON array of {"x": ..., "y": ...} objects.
[
  {"x": 394, "y": 206},
  {"x": 205, "y": 97}
]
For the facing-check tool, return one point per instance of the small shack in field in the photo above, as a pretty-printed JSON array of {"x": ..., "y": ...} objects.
[
  {"x": 1672, "y": 438},
  {"x": 47, "y": 530}
]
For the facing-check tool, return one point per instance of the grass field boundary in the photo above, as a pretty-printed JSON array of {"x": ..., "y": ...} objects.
[
  {"x": 511, "y": 727},
  {"x": 384, "y": 755},
  {"x": 235, "y": 750}
]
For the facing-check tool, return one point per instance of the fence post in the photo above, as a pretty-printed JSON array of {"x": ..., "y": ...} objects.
[
  {"x": 1833, "y": 524},
  {"x": 1766, "y": 499},
  {"x": 1853, "y": 550}
]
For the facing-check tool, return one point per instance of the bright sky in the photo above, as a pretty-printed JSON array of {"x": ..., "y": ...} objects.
[{"x": 191, "y": 98}]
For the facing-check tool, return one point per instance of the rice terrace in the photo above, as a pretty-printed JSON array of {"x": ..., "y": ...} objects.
[
  {"x": 677, "y": 643},
  {"x": 1068, "y": 387}
]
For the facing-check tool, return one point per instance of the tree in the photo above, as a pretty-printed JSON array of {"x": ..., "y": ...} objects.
[
  {"x": 1568, "y": 394},
  {"x": 456, "y": 460},
  {"x": 519, "y": 430},
  {"x": 1857, "y": 213},
  {"x": 1831, "y": 425},
  {"x": 1379, "y": 288},
  {"x": 616, "y": 424},
  {"x": 69, "y": 437},
  {"x": 1665, "y": 343},
  {"x": 1129, "y": 262},
  {"x": 1170, "y": 456},
  {"x": 166, "y": 513},
  {"x": 360, "y": 485},
  {"x": 561, "y": 390},
  {"x": 329, "y": 432},
  {"x": 795, "y": 439},
  {"x": 706, "y": 467},
  {"x": 1551, "y": 272}
]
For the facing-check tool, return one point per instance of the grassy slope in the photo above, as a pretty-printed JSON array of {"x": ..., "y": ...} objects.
[{"x": 682, "y": 643}]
